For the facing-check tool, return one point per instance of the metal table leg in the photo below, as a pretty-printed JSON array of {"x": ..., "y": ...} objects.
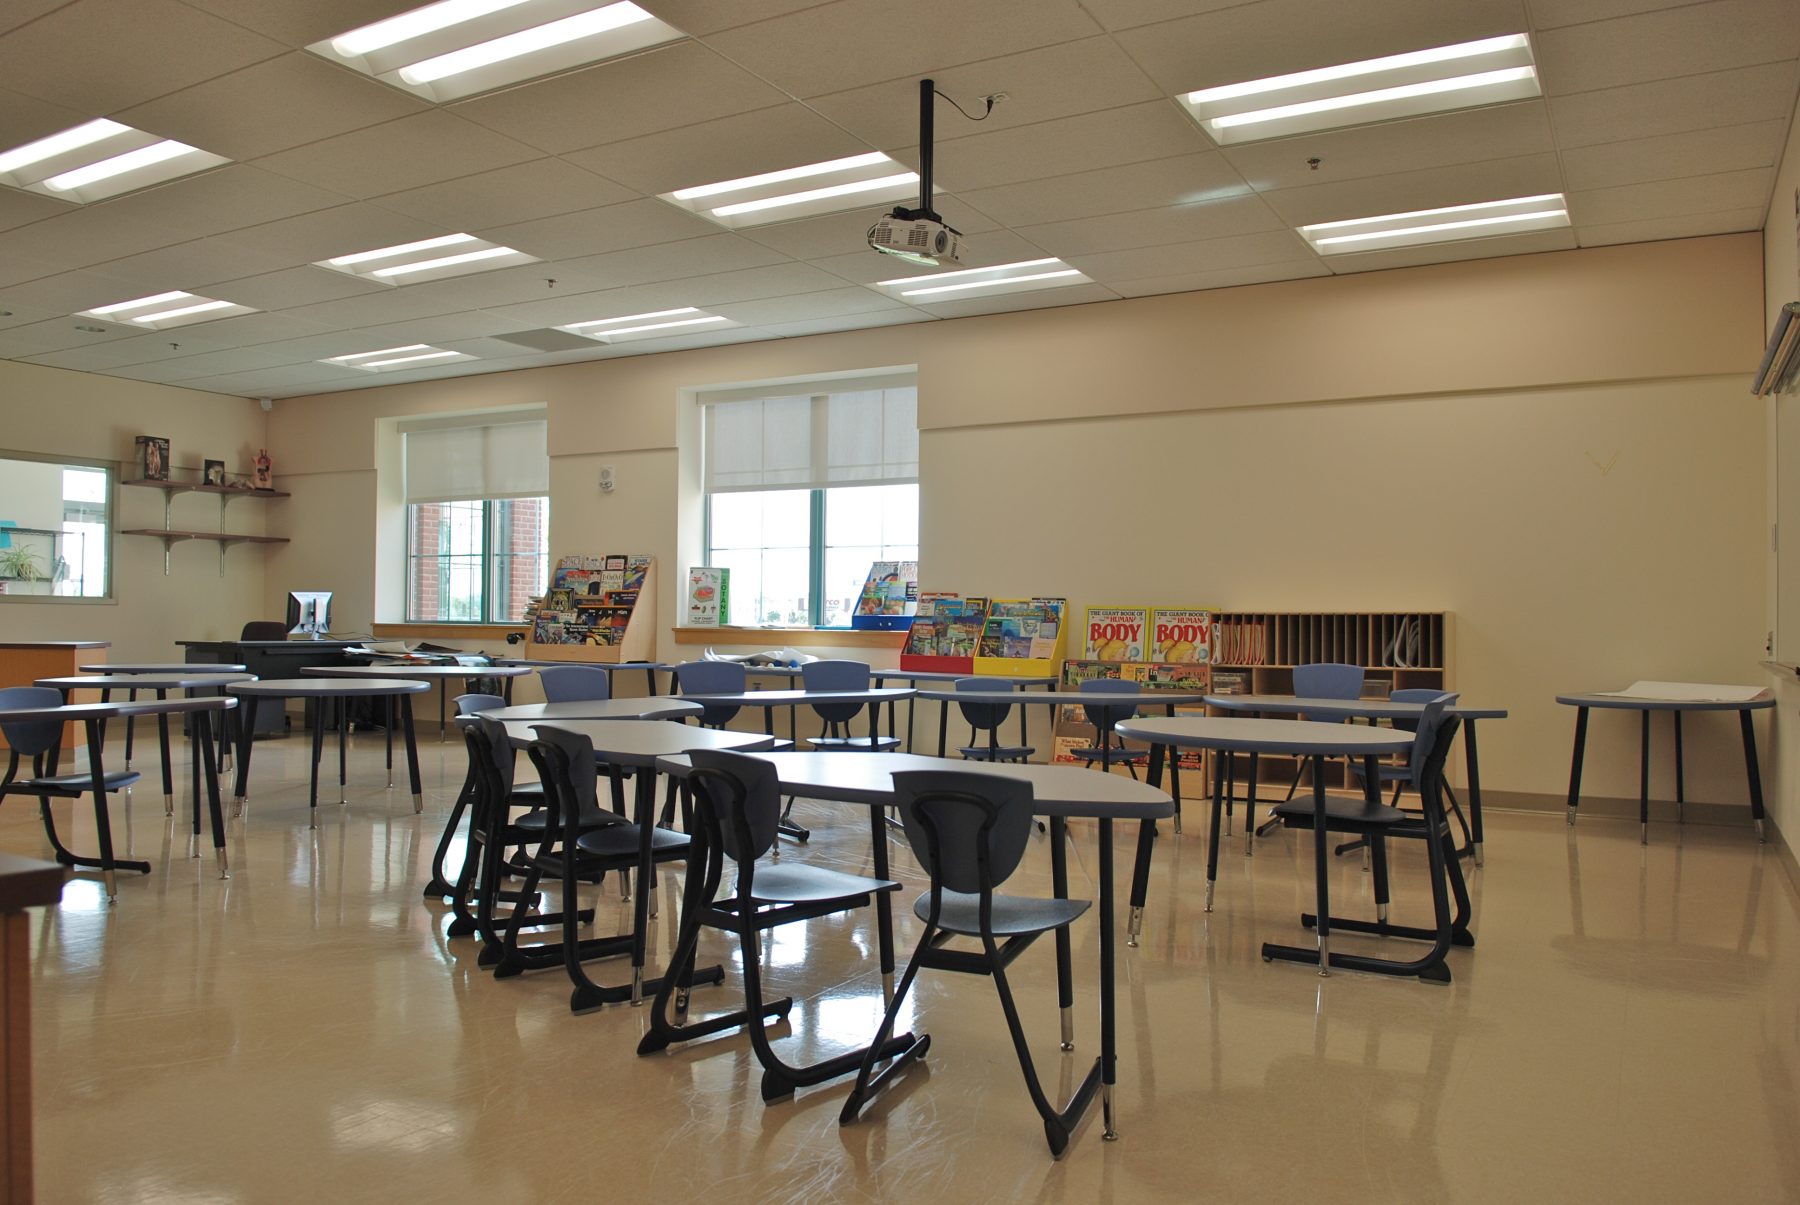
[{"x": 1581, "y": 723}]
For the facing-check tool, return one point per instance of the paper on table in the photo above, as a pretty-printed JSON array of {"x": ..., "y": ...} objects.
[{"x": 1687, "y": 692}]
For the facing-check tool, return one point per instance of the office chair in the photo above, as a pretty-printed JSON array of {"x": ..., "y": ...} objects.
[{"x": 264, "y": 629}]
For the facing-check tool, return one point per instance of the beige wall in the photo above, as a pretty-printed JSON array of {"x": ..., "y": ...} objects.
[
  {"x": 1781, "y": 284},
  {"x": 1554, "y": 447},
  {"x": 55, "y": 412}
]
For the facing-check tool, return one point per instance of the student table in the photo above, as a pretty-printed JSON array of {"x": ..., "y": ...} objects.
[
  {"x": 1677, "y": 708},
  {"x": 163, "y": 667},
  {"x": 1058, "y": 792},
  {"x": 323, "y": 689},
  {"x": 441, "y": 674},
  {"x": 769, "y": 700},
  {"x": 650, "y": 668}
]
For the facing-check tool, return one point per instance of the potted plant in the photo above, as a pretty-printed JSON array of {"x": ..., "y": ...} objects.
[{"x": 20, "y": 564}]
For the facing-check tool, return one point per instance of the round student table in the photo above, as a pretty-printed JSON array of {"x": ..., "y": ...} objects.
[
  {"x": 165, "y": 667},
  {"x": 913, "y": 677},
  {"x": 1104, "y": 702},
  {"x": 93, "y": 717},
  {"x": 1677, "y": 708},
  {"x": 545, "y": 713},
  {"x": 793, "y": 700},
  {"x": 1372, "y": 710},
  {"x": 321, "y": 690},
  {"x": 1058, "y": 793},
  {"x": 1294, "y": 738},
  {"x": 162, "y": 684},
  {"x": 441, "y": 674},
  {"x": 650, "y": 668},
  {"x": 640, "y": 745}
]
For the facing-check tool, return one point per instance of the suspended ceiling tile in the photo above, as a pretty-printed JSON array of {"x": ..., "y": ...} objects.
[
  {"x": 67, "y": 292},
  {"x": 1153, "y": 227},
  {"x": 272, "y": 106},
  {"x": 510, "y": 286},
  {"x": 1041, "y": 85},
  {"x": 1160, "y": 182},
  {"x": 376, "y": 308},
  {"x": 1673, "y": 198},
  {"x": 1549, "y": 14},
  {"x": 1222, "y": 278},
  {"x": 831, "y": 303},
  {"x": 724, "y": 148},
  {"x": 1404, "y": 192},
  {"x": 138, "y": 349},
  {"x": 312, "y": 237},
  {"x": 206, "y": 364},
  {"x": 426, "y": 148},
  {"x": 19, "y": 208},
  {"x": 292, "y": 287},
  {"x": 661, "y": 89},
  {"x": 752, "y": 284},
  {"x": 1129, "y": 14},
  {"x": 520, "y": 193},
  {"x": 303, "y": 24},
  {"x": 1207, "y": 255},
  {"x": 1042, "y": 299},
  {"x": 1443, "y": 253},
  {"x": 101, "y": 56},
  {"x": 187, "y": 265},
  {"x": 1695, "y": 102},
  {"x": 284, "y": 381},
  {"x": 1440, "y": 140},
  {"x": 54, "y": 334},
  {"x": 903, "y": 316},
  {"x": 1085, "y": 142},
  {"x": 20, "y": 12},
  {"x": 673, "y": 261},
  {"x": 13, "y": 314},
  {"x": 487, "y": 348},
  {"x": 1697, "y": 153},
  {"x": 219, "y": 201},
  {"x": 642, "y": 223},
  {"x": 699, "y": 17},
  {"x": 80, "y": 238},
  {"x": 1276, "y": 37},
  {"x": 1720, "y": 36},
  {"x": 843, "y": 45},
  {"x": 1686, "y": 226},
  {"x": 26, "y": 118}
]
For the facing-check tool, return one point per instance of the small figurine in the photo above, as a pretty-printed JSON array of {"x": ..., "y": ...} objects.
[{"x": 262, "y": 478}]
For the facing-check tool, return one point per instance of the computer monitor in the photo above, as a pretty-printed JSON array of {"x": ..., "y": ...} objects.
[{"x": 309, "y": 613}]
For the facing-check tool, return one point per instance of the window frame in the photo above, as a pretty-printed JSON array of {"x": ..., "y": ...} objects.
[
  {"x": 114, "y": 471},
  {"x": 489, "y": 561}
]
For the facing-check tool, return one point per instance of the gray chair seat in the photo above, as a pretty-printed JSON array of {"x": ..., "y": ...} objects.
[
  {"x": 998, "y": 753},
  {"x": 1013, "y": 915},
  {"x": 621, "y": 841},
  {"x": 788, "y": 883},
  {"x": 1341, "y": 810},
  {"x": 1117, "y": 757},
  {"x": 79, "y": 783}
]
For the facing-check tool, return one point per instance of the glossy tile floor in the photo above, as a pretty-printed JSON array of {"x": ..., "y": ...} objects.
[{"x": 1627, "y": 1030}]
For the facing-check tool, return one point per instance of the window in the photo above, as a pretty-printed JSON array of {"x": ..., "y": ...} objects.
[
  {"x": 803, "y": 492},
  {"x": 478, "y": 521},
  {"x": 53, "y": 529}
]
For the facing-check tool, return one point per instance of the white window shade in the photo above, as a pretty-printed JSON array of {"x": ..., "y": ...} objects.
[
  {"x": 503, "y": 460},
  {"x": 869, "y": 437}
]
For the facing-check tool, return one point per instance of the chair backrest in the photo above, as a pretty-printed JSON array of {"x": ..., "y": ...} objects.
[
  {"x": 471, "y": 703},
  {"x": 1415, "y": 694},
  {"x": 1328, "y": 680},
  {"x": 31, "y": 737},
  {"x": 1429, "y": 735},
  {"x": 835, "y": 675},
  {"x": 1105, "y": 717},
  {"x": 712, "y": 678},
  {"x": 264, "y": 629},
  {"x": 575, "y": 684},
  {"x": 985, "y": 716},
  {"x": 743, "y": 796},
  {"x": 968, "y": 831},
  {"x": 498, "y": 749},
  {"x": 572, "y": 772},
  {"x": 1429, "y": 776}
]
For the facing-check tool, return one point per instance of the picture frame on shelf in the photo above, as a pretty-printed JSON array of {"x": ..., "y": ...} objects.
[
  {"x": 213, "y": 472},
  {"x": 153, "y": 457}
]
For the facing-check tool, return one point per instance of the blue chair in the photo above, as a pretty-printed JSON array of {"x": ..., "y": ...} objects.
[
  {"x": 1326, "y": 680},
  {"x": 712, "y": 678},
  {"x": 39, "y": 740},
  {"x": 987, "y": 717},
  {"x": 837, "y": 717},
  {"x": 575, "y": 684},
  {"x": 529, "y": 795},
  {"x": 1404, "y": 774},
  {"x": 1107, "y": 748}
]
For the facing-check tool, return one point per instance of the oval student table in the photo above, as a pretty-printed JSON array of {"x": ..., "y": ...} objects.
[
  {"x": 1295, "y": 738},
  {"x": 93, "y": 717},
  {"x": 1105, "y": 703},
  {"x": 1372, "y": 710},
  {"x": 1583, "y": 703},
  {"x": 335, "y": 690},
  {"x": 165, "y": 667},
  {"x": 441, "y": 674},
  {"x": 1058, "y": 793},
  {"x": 650, "y": 668},
  {"x": 162, "y": 684},
  {"x": 915, "y": 676},
  {"x": 640, "y": 745}
]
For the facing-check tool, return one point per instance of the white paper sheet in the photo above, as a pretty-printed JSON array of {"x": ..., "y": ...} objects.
[{"x": 1687, "y": 692}]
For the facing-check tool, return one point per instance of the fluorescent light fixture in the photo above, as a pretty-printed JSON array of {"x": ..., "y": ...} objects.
[
  {"x": 1023, "y": 276},
  {"x": 854, "y": 181},
  {"x": 628, "y": 326},
  {"x": 457, "y": 48},
  {"x": 416, "y": 261},
  {"x": 1488, "y": 71},
  {"x": 1452, "y": 223},
  {"x": 100, "y": 159},
  {"x": 389, "y": 358},
  {"x": 155, "y": 312}
]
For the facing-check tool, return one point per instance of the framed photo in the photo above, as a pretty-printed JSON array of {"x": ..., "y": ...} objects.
[
  {"x": 214, "y": 472},
  {"x": 153, "y": 457}
]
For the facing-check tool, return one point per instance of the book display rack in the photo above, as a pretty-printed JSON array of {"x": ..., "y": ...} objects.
[{"x": 599, "y": 610}]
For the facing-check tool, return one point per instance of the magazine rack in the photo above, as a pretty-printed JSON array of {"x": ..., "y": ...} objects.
[
  {"x": 1174, "y": 652},
  {"x": 555, "y": 632},
  {"x": 1023, "y": 637}
]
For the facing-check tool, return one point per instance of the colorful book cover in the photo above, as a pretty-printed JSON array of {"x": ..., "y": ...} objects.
[
  {"x": 637, "y": 568},
  {"x": 708, "y": 596},
  {"x": 926, "y": 633},
  {"x": 1116, "y": 633},
  {"x": 964, "y": 621},
  {"x": 1022, "y": 628},
  {"x": 1181, "y": 634},
  {"x": 616, "y": 562}
]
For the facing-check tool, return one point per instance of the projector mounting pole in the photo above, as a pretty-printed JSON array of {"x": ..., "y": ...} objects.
[{"x": 927, "y": 102}]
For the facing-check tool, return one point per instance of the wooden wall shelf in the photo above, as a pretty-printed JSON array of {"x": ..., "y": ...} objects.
[
  {"x": 200, "y": 487},
  {"x": 224, "y": 539},
  {"x": 171, "y": 535}
]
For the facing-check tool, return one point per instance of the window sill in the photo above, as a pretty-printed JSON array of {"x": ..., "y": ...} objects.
[
  {"x": 765, "y": 637},
  {"x": 449, "y": 631}
]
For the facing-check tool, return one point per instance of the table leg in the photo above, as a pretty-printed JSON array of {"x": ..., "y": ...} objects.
[
  {"x": 1059, "y": 885},
  {"x": 1680, "y": 776},
  {"x": 387, "y": 730},
  {"x": 943, "y": 727},
  {"x": 645, "y": 818},
  {"x": 1109, "y": 1054},
  {"x": 1321, "y": 867},
  {"x": 649, "y": 675},
  {"x": 1221, "y": 777},
  {"x": 193, "y": 779},
  {"x": 1024, "y": 726},
  {"x": 246, "y": 741},
  {"x": 912, "y": 713},
  {"x": 318, "y": 751},
  {"x": 884, "y": 900},
  {"x": 1581, "y": 721},
  {"x": 444, "y": 704},
  {"x": 1644, "y": 779},
  {"x": 168, "y": 771},
  {"x": 102, "y": 820},
  {"x": 1472, "y": 761},
  {"x": 131, "y": 730},
  {"x": 412, "y": 753},
  {"x": 1140, "y": 870},
  {"x": 215, "y": 812},
  {"x": 1754, "y": 770},
  {"x": 343, "y": 736}
]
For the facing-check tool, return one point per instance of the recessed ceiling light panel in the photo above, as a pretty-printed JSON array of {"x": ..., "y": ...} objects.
[
  {"x": 1462, "y": 76},
  {"x": 1447, "y": 225},
  {"x": 856, "y": 182},
  {"x": 397, "y": 359},
  {"x": 100, "y": 159},
  {"x": 1025, "y": 276},
  {"x": 457, "y": 48},
  {"x": 427, "y": 259},
  {"x": 164, "y": 311},
  {"x": 658, "y": 324}
]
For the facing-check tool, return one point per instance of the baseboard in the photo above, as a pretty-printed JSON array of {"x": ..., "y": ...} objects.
[{"x": 1729, "y": 814}]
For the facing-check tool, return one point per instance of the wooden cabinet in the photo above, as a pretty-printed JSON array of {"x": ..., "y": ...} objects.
[{"x": 24, "y": 662}]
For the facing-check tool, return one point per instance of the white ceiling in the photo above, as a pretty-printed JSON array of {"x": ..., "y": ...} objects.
[{"x": 1661, "y": 119}]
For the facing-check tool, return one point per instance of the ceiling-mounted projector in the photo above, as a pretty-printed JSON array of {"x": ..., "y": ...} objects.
[{"x": 918, "y": 240}]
